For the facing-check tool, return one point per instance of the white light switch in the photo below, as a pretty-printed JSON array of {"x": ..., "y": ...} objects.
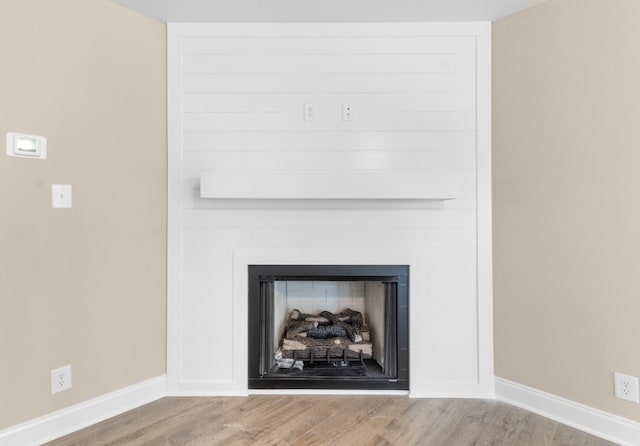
[{"x": 61, "y": 196}]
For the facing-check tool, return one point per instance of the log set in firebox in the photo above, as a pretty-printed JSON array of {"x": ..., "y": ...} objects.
[{"x": 326, "y": 335}]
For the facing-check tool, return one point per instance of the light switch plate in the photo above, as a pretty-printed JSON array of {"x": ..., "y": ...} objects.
[{"x": 61, "y": 196}]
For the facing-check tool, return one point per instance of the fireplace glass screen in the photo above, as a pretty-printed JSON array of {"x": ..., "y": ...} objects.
[{"x": 331, "y": 326}]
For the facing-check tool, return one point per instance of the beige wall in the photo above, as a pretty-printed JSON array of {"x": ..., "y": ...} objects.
[
  {"x": 84, "y": 286},
  {"x": 567, "y": 198}
]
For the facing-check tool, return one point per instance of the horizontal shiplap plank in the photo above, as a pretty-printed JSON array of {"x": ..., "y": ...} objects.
[
  {"x": 329, "y": 45},
  {"x": 347, "y": 237},
  {"x": 326, "y": 160},
  {"x": 374, "y": 83},
  {"x": 201, "y": 64},
  {"x": 314, "y": 184},
  {"x": 334, "y": 140},
  {"x": 292, "y": 218},
  {"x": 363, "y": 121},
  {"x": 293, "y": 102}
]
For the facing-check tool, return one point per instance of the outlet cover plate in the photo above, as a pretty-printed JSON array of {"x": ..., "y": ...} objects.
[
  {"x": 347, "y": 112},
  {"x": 626, "y": 387},
  {"x": 61, "y": 379}
]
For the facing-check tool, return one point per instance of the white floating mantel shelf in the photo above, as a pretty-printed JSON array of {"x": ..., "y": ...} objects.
[{"x": 331, "y": 185}]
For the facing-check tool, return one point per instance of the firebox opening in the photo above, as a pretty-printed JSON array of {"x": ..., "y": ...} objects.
[{"x": 328, "y": 327}]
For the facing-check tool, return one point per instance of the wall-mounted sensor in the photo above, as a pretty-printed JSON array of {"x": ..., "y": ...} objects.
[{"x": 26, "y": 146}]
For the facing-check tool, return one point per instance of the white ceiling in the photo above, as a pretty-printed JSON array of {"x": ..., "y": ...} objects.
[{"x": 325, "y": 10}]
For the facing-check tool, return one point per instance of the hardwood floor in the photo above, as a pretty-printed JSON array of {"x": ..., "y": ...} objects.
[{"x": 328, "y": 420}]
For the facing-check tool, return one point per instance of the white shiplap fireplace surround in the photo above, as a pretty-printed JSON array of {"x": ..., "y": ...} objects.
[{"x": 253, "y": 179}]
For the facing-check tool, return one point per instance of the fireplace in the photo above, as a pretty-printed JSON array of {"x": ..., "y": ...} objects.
[{"x": 328, "y": 327}]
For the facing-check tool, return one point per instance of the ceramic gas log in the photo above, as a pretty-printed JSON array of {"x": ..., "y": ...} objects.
[{"x": 326, "y": 335}]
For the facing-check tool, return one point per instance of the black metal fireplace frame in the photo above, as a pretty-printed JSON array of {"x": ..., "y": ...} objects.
[{"x": 396, "y": 274}]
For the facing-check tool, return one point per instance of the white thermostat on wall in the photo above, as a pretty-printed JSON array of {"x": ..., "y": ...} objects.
[{"x": 27, "y": 146}]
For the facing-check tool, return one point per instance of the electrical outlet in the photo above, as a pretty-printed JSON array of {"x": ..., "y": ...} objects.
[
  {"x": 61, "y": 379},
  {"x": 626, "y": 387},
  {"x": 347, "y": 112},
  {"x": 310, "y": 112}
]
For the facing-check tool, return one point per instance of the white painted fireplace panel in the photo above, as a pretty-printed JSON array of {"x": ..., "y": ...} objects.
[
  {"x": 206, "y": 316},
  {"x": 442, "y": 286},
  {"x": 236, "y": 93}
]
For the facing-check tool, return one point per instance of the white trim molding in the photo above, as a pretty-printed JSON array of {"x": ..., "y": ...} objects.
[
  {"x": 174, "y": 210},
  {"x": 57, "y": 424},
  {"x": 593, "y": 421},
  {"x": 484, "y": 217}
]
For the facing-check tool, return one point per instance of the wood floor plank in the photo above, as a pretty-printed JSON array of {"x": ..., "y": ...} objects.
[
  {"x": 502, "y": 427},
  {"x": 536, "y": 430},
  {"x": 567, "y": 435},
  {"x": 323, "y": 420},
  {"x": 376, "y": 421},
  {"x": 471, "y": 425},
  {"x": 308, "y": 416},
  {"x": 153, "y": 432},
  {"x": 233, "y": 427},
  {"x": 422, "y": 421},
  {"x": 342, "y": 413}
]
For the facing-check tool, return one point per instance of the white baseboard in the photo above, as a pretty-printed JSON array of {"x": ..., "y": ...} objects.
[
  {"x": 71, "y": 419},
  {"x": 452, "y": 389},
  {"x": 207, "y": 388},
  {"x": 593, "y": 421}
]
